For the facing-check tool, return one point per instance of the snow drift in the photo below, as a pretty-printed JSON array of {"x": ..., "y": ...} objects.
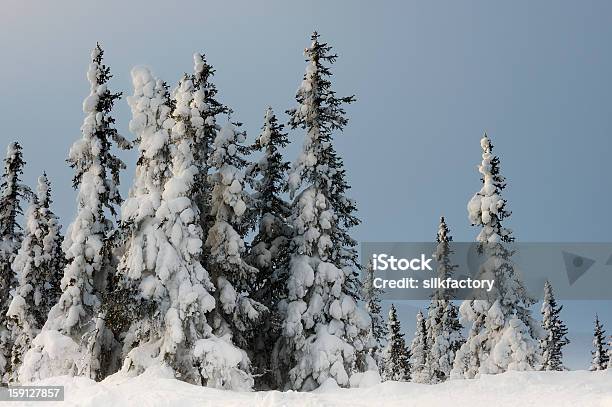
[{"x": 158, "y": 388}]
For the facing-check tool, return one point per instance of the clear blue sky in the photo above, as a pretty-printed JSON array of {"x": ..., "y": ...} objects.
[{"x": 430, "y": 77}]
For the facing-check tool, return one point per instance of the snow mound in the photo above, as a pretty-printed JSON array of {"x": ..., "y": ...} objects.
[{"x": 576, "y": 388}]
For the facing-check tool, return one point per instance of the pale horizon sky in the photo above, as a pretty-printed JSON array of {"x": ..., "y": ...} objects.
[{"x": 430, "y": 78}]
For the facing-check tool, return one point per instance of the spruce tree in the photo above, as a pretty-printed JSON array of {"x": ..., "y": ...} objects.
[
  {"x": 610, "y": 354},
  {"x": 89, "y": 347},
  {"x": 52, "y": 248},
  {"x": 396, "y": 355},
  {"x": 600, "y": 358},
  {"x": 378, "y": 329},
  {"x": 162, "y": 277},
  {"x": 268, "y": 250},
  {"x": 204, "y": 110},
  {"x": 420, "y": 370},
  {"x": 217, "y": 158},
  {"x": 443, "y": 326},
  {"x": 38, "y": 267},
  {"x": 237, "y": 315},
  {"x": 321, "y": 313},
  {"x": 12, "y": 192},
  {"x": 503, "y": 333},
  {"x": 555, "y": 332},
  {"x": 143, "y": 288}
]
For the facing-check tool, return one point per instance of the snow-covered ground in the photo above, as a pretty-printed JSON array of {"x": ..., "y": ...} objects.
[{"x": 551, "y": 389}]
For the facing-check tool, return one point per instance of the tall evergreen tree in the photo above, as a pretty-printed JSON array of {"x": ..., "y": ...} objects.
[
  {"x": 600, "y": 360},
  {"x": 217, "y": 158},
  {"x": 503, "y": 334},
  {"x": 268, "y": 251},
  {"x": 237, "y": 315},
  {"x": 162, "y": 275},
  {"x": 420, "y": 370},
  {"x": 396, "y": 355},
  {"x": 443, "y": 326},
  {"x": 204, "y": 109},
  {"x": 128, "y": 308},
  {"x": 38, "y": 267},
  {"x": 76, "y": 320},
  {"x": 378, "y": 329},
  {"x": 12, "y": 193},
  {"x": 555, "y": 332},
  {"x": 321, "y": 314}
]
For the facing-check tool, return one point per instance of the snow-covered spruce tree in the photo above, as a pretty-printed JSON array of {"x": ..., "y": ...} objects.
[
  {"x": 555, "y": 332},
  {"x": 222, "y": 203},
  {"x": 237, "y": 315},
  {"x": 161, "y": 269},
  {"x": 139, "y": 308},
  {"x": 503, "y": 335},
  {"x": 610, "y": 354},
  {"x": 378, "y": 329},
  {"x": 420, "y": 370},
  {"x": 38, "y": 267},
  {"x": 75, "y": 339},
  {"x": 204, "y": 109},
  {"x": 268, "y": 250},
  {"x": 12, "y": 192},
  {"x": 396, "y": 355},
  {"x": 443, "y": 327},
  {"x": 600, "y": 359},
  {"x": 325, "y": 331}
]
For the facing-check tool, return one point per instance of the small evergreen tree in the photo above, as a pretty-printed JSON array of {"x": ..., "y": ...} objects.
[
  {"x": 443, "y": 326},
  {"x": 89, "y": 347},
  {"x": 12, "y": 192},
  {"x": 268, "y": 251},
  {"x": 38, "y": 267},
  {"x": 420, "y": 370},
  {"x": 396, "y": 355},
  {"x": 321, "y": 313},
  {"x": 378, "y": 329},
  {"x": 599, "y": 353},
  {"x": 610, "y": 354},
  {"x": 555, "y": 332},
  {"x": 503, "y": 334}
]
